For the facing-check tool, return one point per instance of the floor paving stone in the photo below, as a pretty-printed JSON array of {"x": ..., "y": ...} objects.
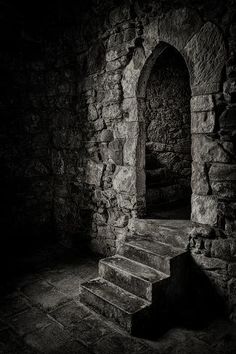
[
  {"x": 29, "y": 321},
  {"x": 13, "y": 304},
  {"x": 68, "y": 284},
  {"x": 10, "y": 342},
  {"x": 40, "y": 318},
  {"x": 44, "y": 295},
  {"x": 47, "y": 339},
  {"x": 70, "y": 314},
  {"x": 91, "y": 330},
  {"x": 116, "y": 344}
]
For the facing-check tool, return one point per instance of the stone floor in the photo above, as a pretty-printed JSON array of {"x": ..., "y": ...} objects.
[{"x": 40, "y": 313}]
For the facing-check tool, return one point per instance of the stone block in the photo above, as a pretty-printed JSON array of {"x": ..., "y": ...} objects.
[
  {"x": 119, "y": 15},
  {"x": 178, "y": 26},
  {"x": 130, "y": 110},
  {"x": 106, "y": 136},
  {"x": 206, "y": 149},
  {"x": 226, "y": 190},
  {"x": 93, "y": 173},
  {"x": 224, "y": 249},
  {"x": 227, "y": 119},
  {"x": 131, "y": 76},
  {"x": 222, "y": 172},
  {"x": 127, "y": 130},
  {"x": 113, "y": 94},
  {"x": 232, "y": 291},
  {"x": 115, "y": 151},
  {"x": 111, "y": 112},
  {"x": 126, "y": 201},
  {"x": 204, "y": 209},
  {"x": 206, "y": 54},
  {"x": 202, "y": 122},
  {"x": 232, "y": 269},
  {"x": 202, "y": 103},
  {"x": 199, "y": 180},
  {"x": 214, "y": 265},
  {"x": 130, "y": 152},
  {"x": 124, "y": 179}
]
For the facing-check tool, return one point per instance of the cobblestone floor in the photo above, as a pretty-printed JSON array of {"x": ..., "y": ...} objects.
[{"x": 40, "y": 313}]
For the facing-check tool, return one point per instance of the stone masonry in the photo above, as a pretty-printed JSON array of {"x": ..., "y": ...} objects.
[{"x": 74, "y": 144}]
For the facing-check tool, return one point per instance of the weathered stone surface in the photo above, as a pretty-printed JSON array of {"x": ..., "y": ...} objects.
[
  {"x": 227, "y": 119},
  {"x": 206, "y": 54},
  {"x": 111, "y": 112},
  {"x": 92, "y": 112},
  {"x": 115, "y": 151},
  {"x": 178, "y": 27},
  {"x": 124, "y": 179},
  {"x": 202, "y": 103},
  {"x": 130, "y": 151},
  {"x": 133, "y": 109},
  {"x": 112, "y": 301},
  {"x": 70, "y": 314},
  {"x": 202, "y": 122},
  {"x": 232, "y": 269},
  {"x": 232, "y": 290},
  {"x": 106, "y": 136},
  {"x": 204, "y": 209},
  {"x": 225, "y": 190},
  {"x": 126, "y": 130},
  {"x": 127, "y": 201},
  {"x": 94, "y": 173},
  {"x": 224, "y": 249},
  {"x": 203, "y": 232},
  {"x": 206, "y": 149},
  {"x": 131, "y": 76},
  {"x": 208, "y": 264},
  {"x": 199, "y": 180},
  {"x": 119, "y": 15},
  {"x": 44, "y": 295},
  {"x": 29, "y": 321},
  {"x": 222, "y": 172}
]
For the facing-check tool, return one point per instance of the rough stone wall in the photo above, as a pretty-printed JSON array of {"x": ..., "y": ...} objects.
[
  {"x": 168, "y": 137},
  {"x": 42, "y": 154},
  {"x": 26, "y": 176},
  {"x": 113, "y": 150},
  {"x": 81, "y": 102}
]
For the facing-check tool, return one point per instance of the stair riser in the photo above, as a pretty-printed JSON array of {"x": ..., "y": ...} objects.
[
  {"x": 106, "y": 309},
  {"x": 155, "y": 261},
  {"x": 126, "y": 281}
]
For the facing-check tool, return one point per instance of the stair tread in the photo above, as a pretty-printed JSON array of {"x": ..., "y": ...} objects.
[
  {"x": 151, "y": 245},
  {"x": 116, "y": 296},
  {"x": 137, "y": 269}
]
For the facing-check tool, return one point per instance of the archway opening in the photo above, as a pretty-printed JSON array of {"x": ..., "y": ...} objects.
[{"x": 168, "y": 138}]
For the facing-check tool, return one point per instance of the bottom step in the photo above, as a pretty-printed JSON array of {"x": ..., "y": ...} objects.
[{"x": 114, "y": 303}]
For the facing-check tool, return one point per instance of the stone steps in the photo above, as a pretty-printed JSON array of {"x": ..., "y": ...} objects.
[
  {"x": 113, "y": 302},
  {"x": 135, "y": 283},
  {"x": 150, "y": 252},
  {"x": 130, "y": 275}
]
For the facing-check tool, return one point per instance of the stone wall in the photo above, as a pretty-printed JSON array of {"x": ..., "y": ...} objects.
[
  {"x": 168, "y": 138},
  {"x": 74, "y": 145},
  {"x": 26, "y": 176},
  {"x": 123, "y": 55}
]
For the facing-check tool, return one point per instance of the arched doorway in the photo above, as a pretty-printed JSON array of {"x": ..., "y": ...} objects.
[{"x": 168, "y": 138}]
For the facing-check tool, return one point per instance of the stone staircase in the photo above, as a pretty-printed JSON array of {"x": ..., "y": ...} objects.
[{"x": 143, "y": 280}]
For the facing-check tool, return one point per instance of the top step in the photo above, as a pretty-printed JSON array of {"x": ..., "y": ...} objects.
[{"x": 172, "y": 232}]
